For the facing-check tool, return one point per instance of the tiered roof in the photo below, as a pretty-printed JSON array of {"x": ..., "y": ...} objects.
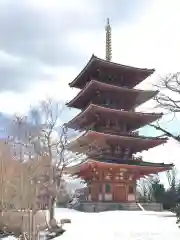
[
  {"x": 103, "y": 80},
  {"x": 92, "y": 141},
  {"x": 94, "y": 113},
  {"x": 131, "y": 97},
  {"x": 134, "y": 75},
  {"x": 141, "y": 168}
]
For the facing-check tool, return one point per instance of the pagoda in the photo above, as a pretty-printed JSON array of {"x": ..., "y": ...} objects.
[{"x": 109, "y": 123}]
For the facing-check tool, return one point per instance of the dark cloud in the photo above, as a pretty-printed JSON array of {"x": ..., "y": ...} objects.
[
  {"x": 30, "y": 32},
  {"x": 18, "y": 76},
  {"x": 40, "y": 36}
]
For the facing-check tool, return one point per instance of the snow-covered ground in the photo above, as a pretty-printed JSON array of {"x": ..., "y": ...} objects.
[{"x": 116, "y": 225}]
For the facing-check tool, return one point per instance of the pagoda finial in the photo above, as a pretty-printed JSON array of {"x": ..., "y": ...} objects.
[{"x": 108, "y": 41}]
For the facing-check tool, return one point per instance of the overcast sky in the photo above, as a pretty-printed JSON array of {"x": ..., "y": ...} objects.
[{"x": 45, "y": 43}]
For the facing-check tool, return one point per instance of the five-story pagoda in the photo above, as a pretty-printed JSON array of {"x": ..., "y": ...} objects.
[{"x": 107, "y": 100}]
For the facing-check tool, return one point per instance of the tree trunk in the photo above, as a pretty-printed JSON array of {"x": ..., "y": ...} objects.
[{"x": 51, "y": 208}]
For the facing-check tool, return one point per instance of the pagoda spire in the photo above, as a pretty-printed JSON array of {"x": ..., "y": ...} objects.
[{"x": 108, "y": 41}]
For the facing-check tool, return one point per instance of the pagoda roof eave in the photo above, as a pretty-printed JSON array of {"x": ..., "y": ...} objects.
[
  {"x": 97, "y": 140},
  {"x": 71, "y": 84},
  {"x": 96, "y": 109},
  {"x": 143, "y": 95},
  {"x": 110, "y": 64},
  {"x": 96, "y": 134},
  {"x": 146, "y": 167}
]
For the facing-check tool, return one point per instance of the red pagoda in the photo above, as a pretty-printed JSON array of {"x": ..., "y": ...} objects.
[{"x": 107, "y": 100}]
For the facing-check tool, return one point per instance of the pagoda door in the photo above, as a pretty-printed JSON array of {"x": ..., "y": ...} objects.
[
  {"x": 119, "y": 193},
  {"x": 95, "y": 192}
]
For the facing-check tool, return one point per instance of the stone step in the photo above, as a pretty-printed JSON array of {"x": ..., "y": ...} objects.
[{"x": 130, "y": 206}]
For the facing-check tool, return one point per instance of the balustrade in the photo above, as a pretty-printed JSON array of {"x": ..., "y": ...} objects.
[{"x": 113, "y": 130}]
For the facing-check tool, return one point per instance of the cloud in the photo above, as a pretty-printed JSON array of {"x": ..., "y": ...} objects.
[
  {"x": 44, "y": 44},
  {"x": 16, "y": 72},
  {"x": 41, "y": 34},
  {"x": 28, "y": 31}
]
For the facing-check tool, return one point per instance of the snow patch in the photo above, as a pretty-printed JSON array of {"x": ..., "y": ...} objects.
[{"x": 115, "y": 225}]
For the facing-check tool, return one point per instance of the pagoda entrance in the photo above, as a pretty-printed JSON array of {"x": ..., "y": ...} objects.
[{"x": 119, "y": 193}]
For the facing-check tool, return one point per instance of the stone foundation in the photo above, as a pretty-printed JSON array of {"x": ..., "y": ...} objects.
[
  {"x": 89, "y": 206},
  {"x": 106, "y": 206}
]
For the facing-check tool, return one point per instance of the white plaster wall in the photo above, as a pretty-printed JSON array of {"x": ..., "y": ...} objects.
[
  {"x": 89, "y": 197},
  {"x": 131, "y": 197},
  {"x": 108, "y": 196}
]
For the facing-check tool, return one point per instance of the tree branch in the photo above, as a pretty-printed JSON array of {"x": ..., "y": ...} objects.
[{"x": 167, "y": 133}]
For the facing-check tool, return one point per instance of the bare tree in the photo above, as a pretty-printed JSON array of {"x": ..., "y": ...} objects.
[
  {"x": 48, "y": 137},
  {"x": 169, "y": 100},
  {"x": 38, "y": 155},
  {"x": 7, "y": 173},
  {"x": 151, "y": 189},
  {"x": 19, "y": 189},
  {"x": 54, "y": 140},
  {"x": 25, "y": 184},
  {"x": 38, "y": 151},
  {"x": 172, "y": 177}
]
